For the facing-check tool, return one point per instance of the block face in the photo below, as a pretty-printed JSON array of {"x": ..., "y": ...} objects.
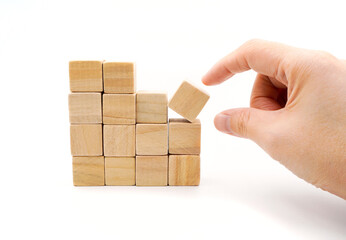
[
  {"x": 151, "y": 107},
  {"x": 184, "y": 137},
  {"x": 88, "y": 171},
  {"x": 119, "y": 77},
  {"x": 188, "y": 101},
  {"x": 151, "y": 170},
  {"x": 120, "y": 171},
  {"x": 85, "y": 108},
  {"x": 86, "y": 139},
  {"x": 119, "y": 108},
  {"x": 86, "y": 76},
  {"x": 119, "y": 140},
  {"x": 151, "y": 139},
  {"x": 184, "y": 170}
]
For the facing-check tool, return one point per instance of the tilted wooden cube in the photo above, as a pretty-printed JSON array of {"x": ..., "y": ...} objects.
[
  {"x": 151, "y": 170},
  {"x": 184, "y": 170},
  {"x": 86, "y": 139},
  {"x": 85, "y": 108},
  {"x": 184, "y": 136},
  {"x": 151, "y": 107},
  {"x": 86, "y": 76},
  {"x": 188, "y": 101},
  {"x": 152, "y": 139},
  {"x": 120, "y": 171},
  {"x": 119, "y": 140},
  {"x": 119, "y": 77},
  {"x": 119, "y": 108},
  {"x": 88, "y": 171}
]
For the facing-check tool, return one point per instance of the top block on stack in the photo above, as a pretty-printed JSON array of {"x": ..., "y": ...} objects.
[
  {"x": 119, "y": 77},
  {"x": 86, "y": 76}
]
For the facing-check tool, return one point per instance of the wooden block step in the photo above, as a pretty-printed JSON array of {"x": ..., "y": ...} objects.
[
  {"x": 119, "y": 109},
  {"x": 86, "y": 76},
  {"x": 151, "y": 170},
  {"x": 152, "y": 139},
  {"x": 119, "y": 77},
  {"x": 85, "y": 108},
  {"x": 86, "y": 139},
  {"x": 120, "y": 171},
  {"x": 151, "y": 107},
  {"x": 184, "y": 170},
  {"x": 119, "y": 140}
]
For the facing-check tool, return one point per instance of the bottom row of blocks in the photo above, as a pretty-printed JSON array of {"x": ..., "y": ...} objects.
[{"x": 173, "y": 170}]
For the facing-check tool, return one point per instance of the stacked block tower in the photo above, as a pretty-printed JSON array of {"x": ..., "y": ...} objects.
[{"x": 123, "y": 137}]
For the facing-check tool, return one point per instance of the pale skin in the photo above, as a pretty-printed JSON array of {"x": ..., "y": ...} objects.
[{"x": 297, "y": 109}]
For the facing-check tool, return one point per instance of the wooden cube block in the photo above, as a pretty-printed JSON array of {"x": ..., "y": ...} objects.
[
  {"x": 86, "y": 76},
  {"x": 184, "y": 136},
  {"x": 119, "y": 140},
  {"x": 151, "y": 139},
  {"x": 188, "y": 101},
  {"x": 151, "y": 170},
  {"x": 88, "y": 171},
  {"x": 151, "y": 107},
  {"x": 184, "y": 170},
  {"x": 86, "y": 139},
  {"x": 119, "y": 77},
  {"x": 85, "y": 107},
  {"x": 119, "y": 108},
  {"x": 120, "y": 171}
]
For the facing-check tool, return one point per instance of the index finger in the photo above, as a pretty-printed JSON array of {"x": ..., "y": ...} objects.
[{"x": 262, "y": 56}]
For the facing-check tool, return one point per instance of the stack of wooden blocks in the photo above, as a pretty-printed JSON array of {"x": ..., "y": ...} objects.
[{"x": 120, "y": 137}]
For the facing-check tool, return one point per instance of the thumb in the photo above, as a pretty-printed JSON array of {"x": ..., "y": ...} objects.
[{"x": 249, "y": 123}]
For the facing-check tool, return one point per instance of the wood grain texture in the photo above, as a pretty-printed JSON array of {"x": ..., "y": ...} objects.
[
  {"x": 88, "y": 171},
  {"x": 151, "y": 107},
  {"x": 119, "y": 140},
  {"x": 184, "y": 136},
  {"x": 152, "y": 139},
  {"x": 85, "y": 108},
  {"x": 184, "y": 170},
  {"x": 188, "y": 101},
  {"x": 120, "y": 171},
  {"x": 119, "y": 108},
  {"x": 86, "y": 139},
  {"x": 86, "y": 76},
  {"x": 151, "y": 170},
  {"x": 119, "y": 77}
]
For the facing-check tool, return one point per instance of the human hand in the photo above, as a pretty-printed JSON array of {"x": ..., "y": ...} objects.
[{"x": 297, "y": 109}]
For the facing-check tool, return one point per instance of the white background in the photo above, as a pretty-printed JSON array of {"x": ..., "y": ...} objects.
[{"x": 244, "y": 194}]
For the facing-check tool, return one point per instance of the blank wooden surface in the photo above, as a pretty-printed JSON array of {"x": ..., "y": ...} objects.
[
  {"x": 86, "y": 76},
  {"x": 151, "y": 139},
  {"x": 88, "y": 171},
  {"x": 184, "y": 170},
  {"x": 188, "y": 101},
  {"x": 120, "y": 171},
  {"x": 119, "y": 77},
  {"x": 151, "y": 170},
  {"x": 119, "y": 140},
  {"x": 86, "y": 139},
  {"x": 184, "y": 136},
  {"x": 85, "y": 108},
  {"x": 151, "y": 107},
  {"x": 119, "y": 108}
]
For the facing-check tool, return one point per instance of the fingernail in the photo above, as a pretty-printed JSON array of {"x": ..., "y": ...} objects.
[{"x": 222, "y": 123}]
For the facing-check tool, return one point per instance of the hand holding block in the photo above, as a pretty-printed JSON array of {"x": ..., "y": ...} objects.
[
  {"x": 151, "y": 139},
  {"x": 184, "y": 137},
  {"x": 119, "y": 77},
  {"x": 119, "y": 140},
  {"x": 85, "y": 107},
  {"x": 86, "y": 139},
  {"x": 119, "y": 109},
  {"x": 86, "y": 76},
  {"x": 151, "y": 107},
  {"x": 184, "y": 170},
  {"x": 88, "y": 171},
  {"x": 151, "y": 170},
  {"x": 188, "y": 101},
  {"x": 120, "y": 171}
]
